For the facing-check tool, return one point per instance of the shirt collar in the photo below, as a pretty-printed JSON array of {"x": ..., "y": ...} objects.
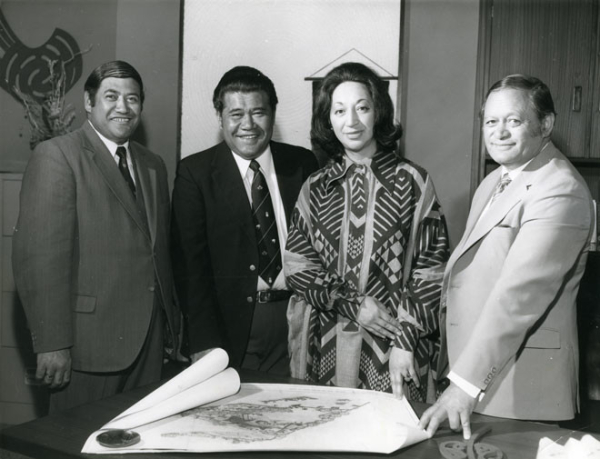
[
  {"x": 383, "y": 166},
  {"x": 112, "y": 146},
  {"x": 265, "y": 160}
]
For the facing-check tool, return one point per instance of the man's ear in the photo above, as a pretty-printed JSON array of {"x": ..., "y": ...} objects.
[
  {"x": 87, "y": 102},
  {"x": 548, "y": 124},
  {"x": 220, "y": 120}
]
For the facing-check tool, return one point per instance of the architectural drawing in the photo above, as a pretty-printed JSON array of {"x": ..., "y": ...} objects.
[{"x": 206, "y": 409}]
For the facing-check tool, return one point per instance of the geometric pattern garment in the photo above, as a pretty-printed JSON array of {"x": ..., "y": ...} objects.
[
  {"x": 122, "y": 154},
  {"x": 401, "y": 207},
  {"x": 269, "y": 264},
  {"x": 356, "y": 223}
]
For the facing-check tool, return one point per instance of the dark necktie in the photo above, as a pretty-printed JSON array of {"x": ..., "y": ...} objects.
[
  {"x": 266, "y": 227},
  {"x": 502, "y": 184},
  {"x": 122, "y": 154}
]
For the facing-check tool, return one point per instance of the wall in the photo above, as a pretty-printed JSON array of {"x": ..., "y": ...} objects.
[
  {"x": 439, "y": 100},
  {"x": 142, "y": 32},
  {"x": 288, "y": 40}
]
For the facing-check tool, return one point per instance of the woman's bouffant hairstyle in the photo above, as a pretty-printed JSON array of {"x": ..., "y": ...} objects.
[{"x": 385, "y": 131}]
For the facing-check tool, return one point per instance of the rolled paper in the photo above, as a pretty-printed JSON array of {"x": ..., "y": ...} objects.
[
  {"x": 219, "y": 386},
  {"x": 212, "y": 363}
]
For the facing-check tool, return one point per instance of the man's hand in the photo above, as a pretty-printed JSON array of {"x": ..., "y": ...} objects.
[
  {"x": 456, "y": 406},
  {"x": 198, "y": 355},
  {"x": 54, "y": 368},
  {"x": 374, "y": 317},
  {"x": 402, "y": 368}
]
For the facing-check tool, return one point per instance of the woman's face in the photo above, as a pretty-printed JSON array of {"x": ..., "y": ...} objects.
[{"x": 352, "y": 117}]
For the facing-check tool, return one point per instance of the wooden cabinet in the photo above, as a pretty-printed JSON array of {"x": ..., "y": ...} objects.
[{"x": 556, "y": 41}]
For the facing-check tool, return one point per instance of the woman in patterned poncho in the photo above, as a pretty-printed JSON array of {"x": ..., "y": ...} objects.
[{"x": 366, "y": 249}]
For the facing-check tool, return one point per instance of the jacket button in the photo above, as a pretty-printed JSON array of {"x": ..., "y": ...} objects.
[
  {"x": 151, "y": 288},
  {"x": 252, "y": 268},
  {"x": 249, "y": 299}
]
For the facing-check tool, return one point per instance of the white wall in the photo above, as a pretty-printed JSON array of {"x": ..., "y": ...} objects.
[
  {"x": 439, "y": 104},
  {"x": 288, "y": 40}
]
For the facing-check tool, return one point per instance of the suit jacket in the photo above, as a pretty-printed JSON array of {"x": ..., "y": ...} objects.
[
  {"x": 510, "y": 287},
  {"x": 87, "y": 264},
  {"x": 214, "y": 249}
]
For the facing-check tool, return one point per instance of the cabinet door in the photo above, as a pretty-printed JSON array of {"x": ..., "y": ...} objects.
[{"x": 553, "y": 40}]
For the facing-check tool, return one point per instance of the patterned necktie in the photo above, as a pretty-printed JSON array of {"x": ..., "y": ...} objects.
[
  {"x": 504, "y": 182},
  {"x": 357, "y": 221},
  {"x": 269, "y": 264},
  {"x": 122, "y": 154}
]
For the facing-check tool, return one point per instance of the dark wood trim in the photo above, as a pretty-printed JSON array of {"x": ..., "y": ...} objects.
[{"x": 402, "y": 89}]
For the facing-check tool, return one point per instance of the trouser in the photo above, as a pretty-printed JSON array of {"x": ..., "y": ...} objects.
[{"x": 267, "y": 349}]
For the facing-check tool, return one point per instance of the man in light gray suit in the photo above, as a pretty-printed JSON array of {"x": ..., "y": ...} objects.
[
  {"x": 90, "y": 255},
  {"x": 509, "y": 322}
]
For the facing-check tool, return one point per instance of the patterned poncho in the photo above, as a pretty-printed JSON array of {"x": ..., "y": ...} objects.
[{"x": 404, "y": 250}]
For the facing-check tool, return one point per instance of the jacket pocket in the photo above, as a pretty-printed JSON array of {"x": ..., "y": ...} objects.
[
  {"x": 85, "y": 304},
  {"x": 544, "y": 338}
]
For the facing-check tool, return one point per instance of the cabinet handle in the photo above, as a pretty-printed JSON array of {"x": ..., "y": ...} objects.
[{"x": 576, "y": 99}]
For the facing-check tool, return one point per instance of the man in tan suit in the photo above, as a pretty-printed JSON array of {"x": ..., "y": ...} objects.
[
  {"x": 91, "y": 249},
  {"x": 509, "y": 333}
]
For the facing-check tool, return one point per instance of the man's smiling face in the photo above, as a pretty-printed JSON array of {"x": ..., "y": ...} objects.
[
  {"x": 116, "y": 110},
  {"x": 247, "y": 122}
]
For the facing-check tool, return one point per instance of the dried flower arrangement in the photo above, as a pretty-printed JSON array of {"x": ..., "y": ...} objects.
[{"x": 50, "y": 117}]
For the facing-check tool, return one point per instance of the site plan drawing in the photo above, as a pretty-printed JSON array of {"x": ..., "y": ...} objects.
[{"x": 268, "y": 417}]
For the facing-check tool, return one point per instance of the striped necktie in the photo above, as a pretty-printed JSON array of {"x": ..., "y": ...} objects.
[
  {"x": 502, "y": 184},
  {"x": 269, "y": 264}
]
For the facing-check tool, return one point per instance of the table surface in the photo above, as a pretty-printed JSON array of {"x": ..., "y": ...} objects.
[{"x": 62, "y": 435}]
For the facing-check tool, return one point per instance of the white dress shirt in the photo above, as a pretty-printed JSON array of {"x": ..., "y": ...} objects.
[{"x": 265, "y": 160}]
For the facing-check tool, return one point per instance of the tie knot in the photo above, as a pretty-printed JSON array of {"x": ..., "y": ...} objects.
[
  {"x": 121, "y": 152},
  {"x": 254, "y": 165},
  {"x": 504, "y": 181}
]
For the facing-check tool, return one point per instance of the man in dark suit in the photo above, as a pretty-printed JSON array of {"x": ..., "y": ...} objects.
[
  {"x": 91, "y": 252},
  {"x": 231, "y": 208}
]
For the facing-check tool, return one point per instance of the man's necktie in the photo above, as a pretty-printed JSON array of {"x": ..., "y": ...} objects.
[
  {"x": 266, "y": 227},
  {"x": 357, "y": 221},
  {"x": 504, "y": 182},
  {"x": 122, "y": 154}
]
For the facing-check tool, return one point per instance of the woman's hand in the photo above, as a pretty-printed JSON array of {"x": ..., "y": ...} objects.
[
  {"x": 402, "y": 368},
  {"x": 375, "y": 318}
]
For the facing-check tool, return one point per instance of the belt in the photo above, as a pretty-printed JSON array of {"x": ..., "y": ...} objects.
[{"x": 267, "y": 296}]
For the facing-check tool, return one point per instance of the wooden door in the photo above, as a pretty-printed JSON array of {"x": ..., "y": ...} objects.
[{"x": 554, "y": 40}]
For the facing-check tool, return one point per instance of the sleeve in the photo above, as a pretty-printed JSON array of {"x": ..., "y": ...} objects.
[
  {"x": 533, "y": 277},
  {"x": 44, "y": 247},
  {"x": 191, "y": 262},
  {"x": 428, "y": 252},
  {"x": 304, "y": 270}
]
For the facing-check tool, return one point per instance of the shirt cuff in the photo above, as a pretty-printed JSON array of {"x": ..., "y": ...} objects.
[{"x": 465, "y": 385}]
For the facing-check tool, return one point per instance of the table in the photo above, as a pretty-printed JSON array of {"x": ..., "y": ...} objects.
[{"x": 61, "y": 436}]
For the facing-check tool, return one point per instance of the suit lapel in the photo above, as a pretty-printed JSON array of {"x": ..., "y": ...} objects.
[
  {"x": 110, "y": 172},
  {"x": 289, "y": 179},
  {"x": 227, "y": 179},
  {"x": 148, "y": 186},
  {"x": 505, "y": 202}
]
